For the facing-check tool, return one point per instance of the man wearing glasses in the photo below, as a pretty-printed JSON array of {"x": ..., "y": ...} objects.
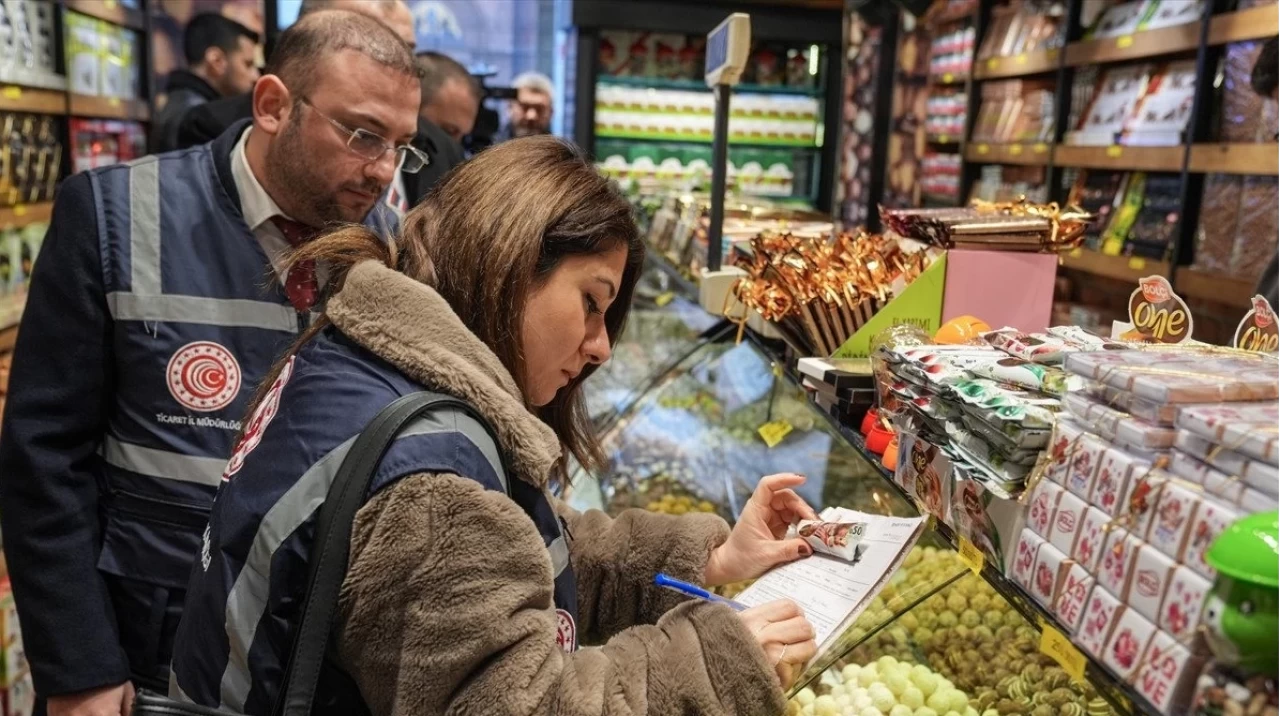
[
  {"x": 160, "y": 299},
  {"x": 529, "y": 113}
]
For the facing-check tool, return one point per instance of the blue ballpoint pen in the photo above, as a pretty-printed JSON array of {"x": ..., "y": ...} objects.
[{"x": 663, "y": 580}]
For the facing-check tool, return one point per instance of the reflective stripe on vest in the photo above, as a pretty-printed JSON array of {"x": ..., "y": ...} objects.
[
  {"x": 163, "y": 464},
  {"x": 144, "y": 225},
  {"x": 248, "y": 597}
]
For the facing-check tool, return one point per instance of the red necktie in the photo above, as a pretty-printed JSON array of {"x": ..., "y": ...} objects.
[{"x": 300, "y": 285}]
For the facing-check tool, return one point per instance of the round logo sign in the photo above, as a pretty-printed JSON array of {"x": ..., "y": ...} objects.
[
  {"x": 566, "y": 632},
  {"x": 203, "y": 376},
  {"x": 258, "y": 422}
]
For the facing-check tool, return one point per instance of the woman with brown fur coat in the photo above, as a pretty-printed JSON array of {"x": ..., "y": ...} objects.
[{"x": 469, "y": 586}]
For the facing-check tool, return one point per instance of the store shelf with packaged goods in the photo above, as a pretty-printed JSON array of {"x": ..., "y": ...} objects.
[
  {"x": 1139, "y": 45},
  {"x": 1027, "y": 63},
  {"x": 1216, "y": 288},
  {"x": 109, "y": 108},
  {"x": 1255, "y": 23},
  {"x": 1032, "y": 155},
  {"x": 1118, "y": 157},
  {"x": 760, "y": 142},
  {"x": 112, "y": 11},
  {"x": 37, "y": 100},
  {"x": 1120, "y": 268},
  {"x": 1236, "y": 158},
  {"x": 23, "y": 214},
  {"x": 659, "y": 83}
]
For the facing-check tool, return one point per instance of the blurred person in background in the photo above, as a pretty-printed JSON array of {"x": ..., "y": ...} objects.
[
  {"x": 160, "y": 299},
  {"x": 529, "y": 113},
  {"x": 450, "y": 101},
  {"x": 221, "y": 57},
  {"x": 208, "y": 121}
]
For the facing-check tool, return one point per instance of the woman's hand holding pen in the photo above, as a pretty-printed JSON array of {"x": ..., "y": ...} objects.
[
  {"x": 784, "y": 634},
  {"x": 757, "y": 542}
]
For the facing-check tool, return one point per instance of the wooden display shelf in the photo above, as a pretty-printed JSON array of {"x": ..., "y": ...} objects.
[
  {"x": 1152, "y": 159},
  {"x": 1139, "y": 45},
  {"x": 23, "y": 214},
  {"x": 1215, "y": 287},
  {"x": 1120, "y": 268},
  {"x": 1252, "y": 24},
  {"x": 1032, "y": 155},
  {"x": 111, "y": 11},
  {"x": 109, "y": 108},
  {"x": 1236, "y": 158},
  {"x": 1028, "y": 63},
  {"x": 16, "y": 98}
]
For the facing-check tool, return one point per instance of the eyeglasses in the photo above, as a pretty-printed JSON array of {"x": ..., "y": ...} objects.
[{"x": 372, "y": 147}]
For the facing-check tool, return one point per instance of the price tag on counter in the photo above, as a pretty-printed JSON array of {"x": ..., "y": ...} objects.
[
  {"x": 12, "y": 92},
  {"x": 1015, "y": 150},
  {"x": 1124, "y": 41},
  {"x": 1021, "y": 59},
  {"x": 971, "y": 556},
  {"x": 113, "y": 101},
  {"x": 1056, "y": 646},
  {"x": 1040, "y": 148},
  {"x": 983, "y": 149},
  {"x": 663, "y": 299},
  {"x": 1137, "y": 264},
  {"x": 1114, "y": 151},
  {"x": 774, "y": 432}
]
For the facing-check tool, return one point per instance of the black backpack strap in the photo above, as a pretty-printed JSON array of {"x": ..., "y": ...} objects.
[{"x": 333, "y": 539}]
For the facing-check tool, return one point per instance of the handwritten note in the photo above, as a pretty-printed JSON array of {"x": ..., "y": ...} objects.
[{"x": 1057, "y": 647}]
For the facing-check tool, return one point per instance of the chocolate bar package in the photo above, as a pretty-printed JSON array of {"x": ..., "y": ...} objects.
[
  {"x": 1154, "y": 227},
  {"x": 1247, "y": 428},
  {"x": 838, "y": 539},
  {"x": 1116, "y": 425},
  {"x": 1180, "y": 376},
  {"x": 1256, "y": 474}
]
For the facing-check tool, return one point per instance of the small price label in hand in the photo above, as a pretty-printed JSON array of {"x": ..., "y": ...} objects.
[
  {"x": 971, "y": 556},
  {"x": 774, "y": 432},
  {"x": 1058, "y": 647}
]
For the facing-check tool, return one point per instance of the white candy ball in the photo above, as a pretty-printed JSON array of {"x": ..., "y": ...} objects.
[
  {"x": 901, "y": 710},
  {"x": 806, "y": 697},
  {"x": 850, "y": 672},
  {"x": 912, "y": 697}
]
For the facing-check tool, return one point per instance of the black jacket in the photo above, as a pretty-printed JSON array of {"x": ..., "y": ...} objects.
[
  {"x": 204, "y": 123},
  {"x": 184, "y": 90}
]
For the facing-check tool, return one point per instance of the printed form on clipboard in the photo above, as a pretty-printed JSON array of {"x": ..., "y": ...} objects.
[{"x": 833, "y": 591}]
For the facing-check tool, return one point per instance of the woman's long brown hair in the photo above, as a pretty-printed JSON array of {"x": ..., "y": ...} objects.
[{"x": 485, "y": 238}]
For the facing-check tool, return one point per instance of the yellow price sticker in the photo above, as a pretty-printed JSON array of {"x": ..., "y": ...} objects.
[
  {"x": 777, "y": 370},
  {"x": 1114, "y": 151},
  {"x": 1124, "y": 41},
  {"x": 109, "y": 4},
  {"x": 114, "y": 102},
  {"x": 945, "y": 139},
  {"x": 20, "y": 210},
  {"x": 12, "y": 92},
  {"x": 1076, "y": 253},
  {"x": 774, "y": 432},
  {"x": 664, "y": 298},
  {"x": 983, "y": 149},
  {"x": 1137, "y": 264},
  {"x": 948, "y": 78},
  {"x": 1015, "y": 149},
  {"x": 993, "y": 63},
  {"x": 1021, "y": 59},
  {"x": 1057, "y": 647},
  {"x": 971, "y": 556},
  {"x": 1040, "y": 148}
]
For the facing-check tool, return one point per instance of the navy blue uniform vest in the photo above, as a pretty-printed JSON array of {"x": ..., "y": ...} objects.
[
  {"x": 244, "y": 596},
  {"x": 198, "y": 318}
]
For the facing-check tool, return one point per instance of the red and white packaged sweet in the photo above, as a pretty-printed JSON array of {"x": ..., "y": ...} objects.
[
  {"x": 1167, "y": 674},
  {"x": 1210, "y": 520},
  {"x": 1247, "y": 428},
  {"x": 1141, "y": 497},
  {"x": 1112, "y": 479},
  {"x": 1065, "y": 441},
  {"x": 1215, "y": 482},
  {"x": 1116, "y": 562},
  {"x": 1069, "y": 606},
  {"x": 1128, "y": 643},
  {"x": 1047, "y": 574},
  {"x": 1180, "y": 612},
  {"x": 1181, "y": 378},
  {"x": 1171, "y": 523},
  {"x": 1044, "y": 502},
  {"x": 1100, "y": 614},
  {"x": 1024, "y": 559},
  {"x": 1084, "y": 465},
  {"x": 1116, "y": 425},
  {"x": 1066, "y": 523},
  {"x": 1089, "y": 542},
  {"x": 1152, "y": 572},
  {"x": 1258, "y": 475}
]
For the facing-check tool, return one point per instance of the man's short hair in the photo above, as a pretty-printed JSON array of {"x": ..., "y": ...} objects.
[
  {"x": 438, "y": 68},
  {"x": 320, "y": 34},
  {"x": 210, "y": 29},
  {"x": 533, "y": 81}
]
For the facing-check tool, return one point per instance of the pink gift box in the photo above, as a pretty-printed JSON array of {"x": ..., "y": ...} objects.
[
  {"x": 979, "y": 283},
  {"x": 1173, "y": 516},
  {"x": 1047, "y": 574},
  {"x": 1116, "y": 562},
  {"x": 1043, "y": 504},
  {"x": 1065, "y": 441},
  {"x": 1167, "y": 674},
  {"x": 1180, "y": 612},
  {"x": 1152, "y": 570},
  {"x": 1099, "y": 617},
  {"x": 1066, "y": 523},
  {"x": 1089, "y": 542},
  {"x": 1128, "y": 643},
  {"x": 1071, "y": 597},
  {"x": 1210, "y": 520},
  {"x": 1112, "y": 479},
  {"x": 1084, "y": 466},
  {"x": 1024, "y": 560}
]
